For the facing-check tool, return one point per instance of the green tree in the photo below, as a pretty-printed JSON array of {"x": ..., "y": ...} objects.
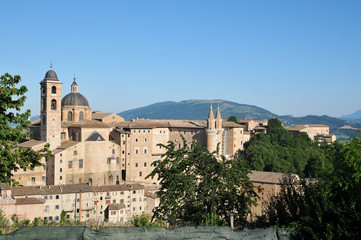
[
  {"x": 280, "y": 151},
  {"x": 197, "y": 186},
  {"x": 3, "y": 222},
  {"x": 12, "y": 158},
  {"x": 232, "y": 119},
  {"x": 144, "y": 220},
  {"x": 326, "y": 207}
]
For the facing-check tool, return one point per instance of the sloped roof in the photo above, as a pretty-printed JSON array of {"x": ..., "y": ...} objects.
[
  {"x": 35, "y": 123},
  {"x": 100, "y": 115},
  {"x": 95, "y": 137},
  {"x": 303, "y": 126},
  {"x": 30, "y": 143},
  {"x": 116, "y": 206},
  {"x": 23, "y": 201},
  {"x": 65, "y": 145},
  {"x": 86, "y": 124},
  {"x": 232, "y": 125},
  {"x": 266, "y": 177},
  {"x": 72, "y": 188}
]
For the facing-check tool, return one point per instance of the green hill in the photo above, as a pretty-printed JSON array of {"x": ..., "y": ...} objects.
[
  {"x": 196, "y": 110},
  {"x": 199, "y": 109}
]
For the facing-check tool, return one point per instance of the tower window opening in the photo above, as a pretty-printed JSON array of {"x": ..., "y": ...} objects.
[
  {"x": 81, "y": 116},
  {"x": 53, "y": 104},
  {"x": 53, "y": 90}
]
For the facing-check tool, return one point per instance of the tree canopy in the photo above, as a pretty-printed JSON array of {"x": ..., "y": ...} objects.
[
  {"x": 198, "y": 187},
  {"x": 13, "y": 126},
  {"x": 325, "y": 207},
  {"x": 280, "y": 151}
]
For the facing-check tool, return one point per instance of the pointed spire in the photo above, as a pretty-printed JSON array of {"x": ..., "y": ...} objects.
[
  {"x": 211, "y": 114},
  {"x": 218, "y": 114}
]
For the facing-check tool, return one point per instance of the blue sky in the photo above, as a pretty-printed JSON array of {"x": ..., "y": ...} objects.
[{"x": 289, "y": 57}]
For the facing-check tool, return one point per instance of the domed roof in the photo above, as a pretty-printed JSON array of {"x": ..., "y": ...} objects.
[
  {"x": 51, "y": 75},
  {"x": 74, "y": 99}
]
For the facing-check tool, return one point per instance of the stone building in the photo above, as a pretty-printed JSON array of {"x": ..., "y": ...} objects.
[
  {"x": 319, "y": 131},
  {"x": 78, "y": 201},
  {"x": 104, "y": 149},
  {"x": 29, "y": 207},
  {"x": 266, "y": 185}
]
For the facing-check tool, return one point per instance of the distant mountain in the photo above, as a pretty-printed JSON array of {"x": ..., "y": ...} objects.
[
  {"x": 199, "y": 109},
  {"x": 196, "y": 110},
  {"x": 353, "y": 116}
]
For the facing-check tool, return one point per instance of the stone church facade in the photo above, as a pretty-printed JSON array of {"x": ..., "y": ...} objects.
[{"x": 104, "y": 149}]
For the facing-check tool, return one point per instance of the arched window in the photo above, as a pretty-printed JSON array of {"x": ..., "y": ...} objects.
[
  {"x": 53, "y": 90},
  {"x": 53, "y": 104},
  {"x": 70, "y": 116},
  {"x": 81, "y": 116}
]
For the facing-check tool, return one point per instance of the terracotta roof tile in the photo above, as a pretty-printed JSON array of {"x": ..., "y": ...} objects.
[
  {"x": 23, "y": 201},
  {"x": 116, "y": 206}
]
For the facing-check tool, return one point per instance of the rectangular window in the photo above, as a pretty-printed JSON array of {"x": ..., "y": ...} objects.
[
  {"x": 118, "y": 160},
  {"x": 145, "y": 164},
  {"x": 108, "y": 160},
  {"x": 60, "y": 170},
  {"x": 33, "y": 179},
  {"x": 61, "y": 177},
  {"x": 81, "y": 163},
  {"x": 75, "y": 152},
  {"x": 136, "y": 165},
  {"x": 56, "y": 207},
  {"x": 70, "y": 164}
]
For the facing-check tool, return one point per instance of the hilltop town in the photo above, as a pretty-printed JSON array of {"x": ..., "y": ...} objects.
[{"x": 99, "y": 162}]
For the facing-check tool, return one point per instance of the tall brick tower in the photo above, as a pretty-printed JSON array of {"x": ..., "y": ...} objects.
[
  {"x": 219, "y": 130},
  {"x": 211, "y": 131},
  {"x": 50, "y": 126}
]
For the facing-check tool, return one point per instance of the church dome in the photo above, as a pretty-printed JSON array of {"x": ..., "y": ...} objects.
[
  {"x": 74, "y": 99},
  {"x": 51, "y": 75}
]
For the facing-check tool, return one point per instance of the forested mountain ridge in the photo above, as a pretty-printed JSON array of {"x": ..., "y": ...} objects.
[{"x": 198, "y": 109}]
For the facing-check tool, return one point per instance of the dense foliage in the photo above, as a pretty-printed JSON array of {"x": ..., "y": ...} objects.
[
  {"x": 12, "y": 158},
  {"x": 280, "y": 151},
  {"x": 200, "y": 188},
  {"x": 327, "y": 207}
]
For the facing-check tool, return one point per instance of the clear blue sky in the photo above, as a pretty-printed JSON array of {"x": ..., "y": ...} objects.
[{"x": 289, "y": 57}]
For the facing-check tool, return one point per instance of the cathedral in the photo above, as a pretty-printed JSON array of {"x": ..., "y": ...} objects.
[{"x": 102, "y": 148}]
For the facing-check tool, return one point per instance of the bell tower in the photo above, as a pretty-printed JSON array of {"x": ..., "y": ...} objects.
[{"x": 50, "y": 109}]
